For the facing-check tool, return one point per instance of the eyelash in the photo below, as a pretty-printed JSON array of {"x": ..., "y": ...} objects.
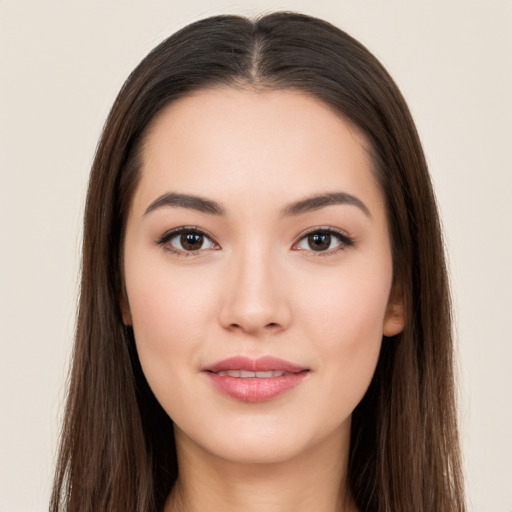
[
  {"x": 344, "y": 240},
  {"x": 173, "y": 233}
]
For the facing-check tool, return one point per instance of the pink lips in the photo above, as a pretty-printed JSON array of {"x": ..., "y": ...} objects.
[{"x": 272, "y": 377}]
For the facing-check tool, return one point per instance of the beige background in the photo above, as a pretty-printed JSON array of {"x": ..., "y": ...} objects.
[{"x": 61, "y": 65}]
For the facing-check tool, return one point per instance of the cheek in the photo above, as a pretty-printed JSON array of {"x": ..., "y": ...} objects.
[
  {"x": 348, "y": 306},
  {"x": 346, "y": 326},
  {"x": 170, "y": 314}
]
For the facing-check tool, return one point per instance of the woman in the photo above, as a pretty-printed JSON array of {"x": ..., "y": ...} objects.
[{"x": 264, "y": 315}]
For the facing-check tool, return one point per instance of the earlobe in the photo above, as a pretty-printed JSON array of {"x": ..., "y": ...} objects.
[{"x": 394, "y": 321}]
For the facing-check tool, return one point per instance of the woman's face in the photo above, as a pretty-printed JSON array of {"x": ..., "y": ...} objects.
[{"x": 258, "y": 272}]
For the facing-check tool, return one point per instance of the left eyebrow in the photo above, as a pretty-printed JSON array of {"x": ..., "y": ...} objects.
[{"x": 318, "y": 201}]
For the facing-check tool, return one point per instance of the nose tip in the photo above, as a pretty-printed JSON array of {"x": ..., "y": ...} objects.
[
  {"x": 255, "y": 302},
  {"x": 255, "y": 313}
]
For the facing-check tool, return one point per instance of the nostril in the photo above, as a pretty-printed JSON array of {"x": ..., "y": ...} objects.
[{"x": 271, "y": 325}]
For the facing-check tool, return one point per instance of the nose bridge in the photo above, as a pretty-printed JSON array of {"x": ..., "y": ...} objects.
[{"x": 256, "y": 299}]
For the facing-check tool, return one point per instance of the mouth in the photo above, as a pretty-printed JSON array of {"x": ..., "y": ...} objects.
[
  {"x": 262, "y": 365},
  {"x": 255, "y": 380},
  {"x": 247, "y": 374}
]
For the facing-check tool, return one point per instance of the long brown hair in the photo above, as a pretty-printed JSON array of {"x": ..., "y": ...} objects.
[{"x": 117, "y": 449}]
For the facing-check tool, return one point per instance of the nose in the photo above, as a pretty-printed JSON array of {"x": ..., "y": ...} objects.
[{"x": 255, "y": 300}]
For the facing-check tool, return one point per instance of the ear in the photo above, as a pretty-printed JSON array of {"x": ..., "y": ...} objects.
[
  {"x": 125, "y": 308},
  {"x": 394, "y": 320}
]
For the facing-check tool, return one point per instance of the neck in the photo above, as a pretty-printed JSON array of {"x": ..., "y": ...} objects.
[{"x": 314, "y": 480}]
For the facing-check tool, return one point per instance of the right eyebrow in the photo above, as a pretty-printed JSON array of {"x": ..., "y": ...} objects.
[{"x": 192, "y": 202}]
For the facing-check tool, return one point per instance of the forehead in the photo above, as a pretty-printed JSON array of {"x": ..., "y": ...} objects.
[{"x": 261, "y": 146}]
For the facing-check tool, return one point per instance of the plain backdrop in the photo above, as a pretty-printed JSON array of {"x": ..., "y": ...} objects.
[{"x": 61, "y": 66}]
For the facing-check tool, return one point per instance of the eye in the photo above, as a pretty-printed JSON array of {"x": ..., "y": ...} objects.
[
  {"x": 185, "y": 240},
  {"x": 326, "y": 240}
]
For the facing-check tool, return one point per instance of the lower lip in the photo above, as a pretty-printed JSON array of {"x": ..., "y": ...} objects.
[{"x": 253, "y": 389}]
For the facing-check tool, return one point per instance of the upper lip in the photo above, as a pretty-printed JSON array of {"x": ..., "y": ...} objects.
[{"x": 261, "y": 364}]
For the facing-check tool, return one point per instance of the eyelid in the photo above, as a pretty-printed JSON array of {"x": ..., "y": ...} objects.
[
  {"x": 174, "y": 232},
  {"x": 345, "y": 240}
]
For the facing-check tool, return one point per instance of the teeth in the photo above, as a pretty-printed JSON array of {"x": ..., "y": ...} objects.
[
  {"x": 247, "y": 374},
  {"x": 263, "y": 375}
]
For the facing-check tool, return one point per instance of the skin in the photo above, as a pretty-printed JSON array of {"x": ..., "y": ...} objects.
[{"x": 256, "y": 287}]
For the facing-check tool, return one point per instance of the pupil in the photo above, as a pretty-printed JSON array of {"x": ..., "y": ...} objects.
[
  {"x": 319, "y": 241},
  {"x": 191, "y": 241}
]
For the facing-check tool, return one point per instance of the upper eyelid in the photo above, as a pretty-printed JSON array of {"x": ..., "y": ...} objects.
[
  {"x": 344, "y": 238},
  {"x": 171, "y": 233},
  {"x": 325, "y": 229},
  {"x": 302, "y": 234},
  {"x": 184, "y": 229}
]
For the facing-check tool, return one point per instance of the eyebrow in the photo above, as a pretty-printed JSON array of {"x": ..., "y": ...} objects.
[
  {"x": 308, "y": 204},
  {"x": 321, "y": 201},
  {"x": 191, "y": 202}
]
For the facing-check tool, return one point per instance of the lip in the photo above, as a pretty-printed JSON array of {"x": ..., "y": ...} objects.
[
  {"x": 255, "y": 389},
  {"x": 262, "y": 364}
]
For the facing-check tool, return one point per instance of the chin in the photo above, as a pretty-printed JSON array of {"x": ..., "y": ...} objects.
[
  {"x": 257, "y": 440},
  {"x": 258, "y": 450}
]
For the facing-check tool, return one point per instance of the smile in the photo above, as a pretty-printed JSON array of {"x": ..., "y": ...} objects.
[
  {"x": 254, "y": 380},
  {"x": 246, "y": 374}
]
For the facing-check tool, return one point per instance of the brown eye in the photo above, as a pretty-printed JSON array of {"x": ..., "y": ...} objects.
[
  {"x": 327, "y": 241},
  {"x": 186, "y": 241},
  {"x": 191, "y": 241},
  {"x": 319, "y": 241}
]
